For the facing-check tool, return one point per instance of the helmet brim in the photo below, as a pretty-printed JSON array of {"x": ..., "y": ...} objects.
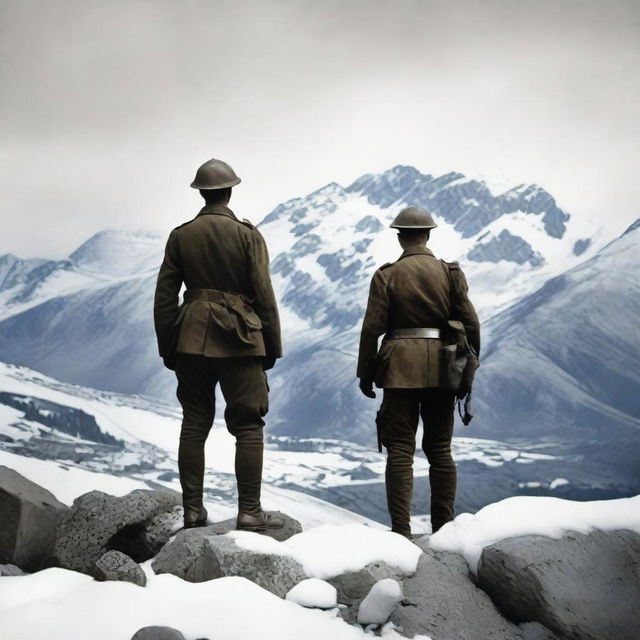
[
  {"x": 413, "y": 226},
  {"x": 224, "y": 185}
]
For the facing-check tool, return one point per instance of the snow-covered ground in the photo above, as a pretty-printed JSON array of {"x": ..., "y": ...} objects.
[{"x": 56, "y": 603}]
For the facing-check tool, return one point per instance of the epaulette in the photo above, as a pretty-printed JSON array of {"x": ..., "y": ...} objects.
[
  {"x": 451, "y": 265},
  {"x": 385, "y": 265},
  {"x": 182, "y": 225},
  {"x": 247, "y": 223}
]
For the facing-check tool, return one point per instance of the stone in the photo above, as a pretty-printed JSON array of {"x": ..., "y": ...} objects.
[
  {"x": 314, "y": 593},
  {"x": 161, "y": 527},
  {"x": 11, "y": 570},
  {"x": 380, "y": 602},
  {"x": 353, "y": 586},
  {"x": 29, "y": 515},
  {"x": 198, "y": 554},
  {"x": 157, "y": 633},
  {"x": 115, "y": 565},
  {"x": 98, "y": 522},
  {"x": 443, "y": 603},
  {"x": 536, "y": 631},
  {"x": 291, "y": 527},
  {"x": 581, "y": 586}
]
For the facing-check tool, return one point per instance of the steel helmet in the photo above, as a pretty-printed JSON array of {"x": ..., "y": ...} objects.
[
  {"x": 215, "y": 174},
  {"x": 413, "y": 218}
]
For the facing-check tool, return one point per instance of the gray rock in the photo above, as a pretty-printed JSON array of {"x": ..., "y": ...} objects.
[
  {"x": 536, "y": 631},
  {"x": 580, "y": 586},
  {"x": 98, "y": 522},
  {"x": 444, "y": 604},
  {"x": 197, "y": 555},
  {"x": 291, "y": 527},
  {"x": 353, "y": 586},
  {"x": 157, "y": 633},
  {"x": 11, "y": 570},
  {"x": 29, "y": 515},
  {"x": 161, "y": 527},
  {"x": 115, "y": 565}
]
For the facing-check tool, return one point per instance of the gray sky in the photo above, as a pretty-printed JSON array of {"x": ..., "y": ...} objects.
[{"x": 107, "y": 108}]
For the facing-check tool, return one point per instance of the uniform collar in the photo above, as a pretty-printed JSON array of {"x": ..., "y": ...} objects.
[
  {"x": 415, "y": 251},
  {"x": 217, "y": 209}
]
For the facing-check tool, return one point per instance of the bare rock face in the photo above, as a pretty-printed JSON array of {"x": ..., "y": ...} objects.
[
  {"x": 197, "y": 555},
  {"x": 98, "y": 522},
  {"x": 115, "y": 565},
  {"x": 29, "y": 515},
  {"x": 10, "y": 570},
  {"x": 443, "y": 603},
  {"x": 582, "y": 587}
]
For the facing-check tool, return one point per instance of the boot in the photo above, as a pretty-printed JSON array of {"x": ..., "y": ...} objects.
[
  {"x": 259, "y": 523},
  {"x": 195, "y": 517}
]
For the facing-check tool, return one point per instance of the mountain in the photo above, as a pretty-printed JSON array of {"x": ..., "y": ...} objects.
[
  {"x": 562, "y": 363},
  {"x": 88, "y": 319}
]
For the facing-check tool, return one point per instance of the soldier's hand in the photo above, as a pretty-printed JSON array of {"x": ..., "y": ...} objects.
[{"x": 366, "y": 386}]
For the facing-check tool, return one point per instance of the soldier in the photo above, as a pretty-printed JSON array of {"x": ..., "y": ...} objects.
[
  {"x": 411, "y": 301},
  {"x": 226, "y": 330}
]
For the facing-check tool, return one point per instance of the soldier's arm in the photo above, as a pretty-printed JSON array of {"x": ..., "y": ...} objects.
[
  {"x": 165, "y": 305},
  {"x": 373, "y": 326},
  {"x": 463, "y": 310},
  {"x": 264, "y": 301}
]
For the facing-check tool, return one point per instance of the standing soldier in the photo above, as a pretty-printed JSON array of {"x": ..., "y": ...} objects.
[
  {"x": 226, "y": 330},
  {"x": 411, "y": 302}
]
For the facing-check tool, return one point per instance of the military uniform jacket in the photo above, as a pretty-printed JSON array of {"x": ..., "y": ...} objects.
[
  {"x": 228, "y": 257},
  {"x": 417, "y": 291}
]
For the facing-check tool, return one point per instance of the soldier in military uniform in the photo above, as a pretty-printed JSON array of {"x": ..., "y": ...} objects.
[
  {"x": 410, "y": 302},
  {"x": 226, "y": 330}
]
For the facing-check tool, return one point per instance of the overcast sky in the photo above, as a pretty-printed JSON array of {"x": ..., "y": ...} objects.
[{"x": 108, "y": 107}]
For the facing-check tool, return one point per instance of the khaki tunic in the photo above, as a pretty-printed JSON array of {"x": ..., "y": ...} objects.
[
  {"x": 216, "y": 251},
  {"x": 417, "y": 291}
]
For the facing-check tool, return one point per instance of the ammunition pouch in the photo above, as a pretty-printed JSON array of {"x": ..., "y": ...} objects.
[
  {"x": 458, "y": 360},
  {"x": 231, "y": 312}
]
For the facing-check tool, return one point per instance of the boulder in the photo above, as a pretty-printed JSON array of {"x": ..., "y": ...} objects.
[
  {"x": 29, "y": 515},
  {"x": 197, "y": 555},
  {"x": 380, "y": 602},
  {"x": 580, "y": 586},
  {"x": 98, "y": 522},
  {"x": 291, "y": 527},
  {"x": 161, "y": 527},
  {"x": 157, "y": 633},
  {"x": 115, "y": 565},
  {"x": 443, "y": 603}
]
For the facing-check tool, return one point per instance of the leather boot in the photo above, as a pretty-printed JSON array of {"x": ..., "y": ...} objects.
[
  {"x": 259, "y": 523},
  {"x": 195, "y": 517}
]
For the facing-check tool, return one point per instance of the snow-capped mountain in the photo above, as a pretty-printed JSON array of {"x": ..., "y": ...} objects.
[
  {"x": 564, "y": 361},
  {"x": 87, "y": 319}
]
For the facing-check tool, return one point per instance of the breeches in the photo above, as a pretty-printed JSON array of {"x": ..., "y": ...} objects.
[
  {"x": 398, "y": 422},
  {"x": 243, "y": 384}
]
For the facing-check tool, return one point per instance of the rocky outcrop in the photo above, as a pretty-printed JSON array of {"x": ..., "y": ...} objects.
[
  {"x": 29, "y": 515},
  {"x": 379, "y": 602},
  {"x": 443, "y": 603},
  {"x": 115, "y": 565},
  {"x": 201, "y": 554},
  {"x": 10, "y": 570},
  {"x": 582, "y": 587},
  {"x": 98, "y": 522}
]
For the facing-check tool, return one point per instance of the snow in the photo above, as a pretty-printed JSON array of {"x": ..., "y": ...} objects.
[
  {"x": 313, "y": 592},
  {"x": 379, "y": 602},
  {"x": 327, "y": 551},
  {"x": 57, "y": 603},
  {"x": 468, "y": 534}
]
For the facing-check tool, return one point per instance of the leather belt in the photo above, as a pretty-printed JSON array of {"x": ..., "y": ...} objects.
[
  {"x": 427, "y": 332},
  {"x": 212, "y": 295}
]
